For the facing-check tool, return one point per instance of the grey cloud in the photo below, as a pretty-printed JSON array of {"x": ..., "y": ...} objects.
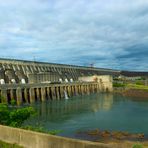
[{"x": 112, "y": 33}]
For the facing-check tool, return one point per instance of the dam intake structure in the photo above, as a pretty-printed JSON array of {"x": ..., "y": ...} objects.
[{"x": 30, "y": 81}]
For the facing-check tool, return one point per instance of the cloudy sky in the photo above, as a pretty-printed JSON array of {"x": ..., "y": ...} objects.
[{"x": 108, "y": 33}]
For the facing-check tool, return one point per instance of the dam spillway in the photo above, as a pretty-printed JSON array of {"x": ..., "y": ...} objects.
[{"x": 30, "y": 81}]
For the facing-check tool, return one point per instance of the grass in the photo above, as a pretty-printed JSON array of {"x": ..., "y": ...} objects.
[
  {"x": 8, "y": 145},
  {"x": 136, "y": 86},
  {"x": 137, "y": 146},
  {"x": 42, "y": 130},
  {"x": 118, "y": 85}
]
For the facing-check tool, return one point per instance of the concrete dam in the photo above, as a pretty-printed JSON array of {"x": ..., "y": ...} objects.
[
  {"x": 17, "y": 71},
  {"x": 30, "y": 81}
]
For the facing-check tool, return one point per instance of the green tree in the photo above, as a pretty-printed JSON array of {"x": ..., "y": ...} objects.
[{"x": 14, "y": 117}]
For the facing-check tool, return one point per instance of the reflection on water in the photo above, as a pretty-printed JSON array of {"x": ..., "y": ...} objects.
[
  {"x": 104, "y": 111},
  {"x": 104, "y": 103},
  {"x": 83, "y": 104}
]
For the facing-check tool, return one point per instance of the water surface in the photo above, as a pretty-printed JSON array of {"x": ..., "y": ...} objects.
[{"x": 104, "y": 111}]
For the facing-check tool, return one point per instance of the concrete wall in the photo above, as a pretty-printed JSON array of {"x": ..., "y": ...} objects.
[
  {"x": 29, "y": 139},
  {"x": 105, "y": 81}
]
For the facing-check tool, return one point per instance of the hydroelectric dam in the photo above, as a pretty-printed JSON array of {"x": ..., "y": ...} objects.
[{"x": 30, "y": 81}]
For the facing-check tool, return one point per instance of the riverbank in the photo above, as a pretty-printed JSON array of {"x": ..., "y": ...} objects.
[{"x": 132, "y": 90}]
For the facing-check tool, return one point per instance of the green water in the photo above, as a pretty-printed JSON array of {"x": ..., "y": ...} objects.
[{"x": 103, "y": 111}]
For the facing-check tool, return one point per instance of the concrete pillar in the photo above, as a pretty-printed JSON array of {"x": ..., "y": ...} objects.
[
  {"x": 82, "y": 90},
  {"x": 57, "y": 93},
  {"x": 26, "y": 95},
  {"x": 19, "y": 99},
  {"x": 4, "y": 98},
  {"x": 96, "y": 88},
  {"x": 32, "y": 95},
  {"x": 38, "y": 94},
  {"x": 72, "y": 90},
  {"x": 48, "y": 93},
  {"x": 12, "y": 96},
  {"x": 53, "y": 93},
  {"x": 85, "y": 92},
  {"x": 76, "y": 90},
  {"x": 93, "y": 89},
  {"x": 87, "y": 89},
  {"x": 62, "y": 91},
  {"x": 69, "y": 91},
  {"x": 101, "y": 87},
  {"x": 43, "y": 94}
]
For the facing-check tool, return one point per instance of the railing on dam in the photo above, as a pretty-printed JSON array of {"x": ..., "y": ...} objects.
[{"x": 30, "y": 93}]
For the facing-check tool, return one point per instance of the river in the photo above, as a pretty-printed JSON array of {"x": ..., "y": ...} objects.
[{"x": 104, "y": 111}]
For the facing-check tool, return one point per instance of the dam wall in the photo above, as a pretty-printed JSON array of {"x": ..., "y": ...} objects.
[
  {"x": 30, "y": 81},
  {"x": 30, "y": 93},
  {"x": 22, "y": 72}
]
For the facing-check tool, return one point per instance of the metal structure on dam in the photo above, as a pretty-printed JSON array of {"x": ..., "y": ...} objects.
[{"x": 30, "y": 81}]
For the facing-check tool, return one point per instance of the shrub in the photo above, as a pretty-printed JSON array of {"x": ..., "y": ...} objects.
[
  {"x": 14, "y": 117},
  {"x": 18, "y": 116},
  {"x": 118, "y": 85},
  {"x": 4, "y": 114},
  {"x": 13, "y": 102}
]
